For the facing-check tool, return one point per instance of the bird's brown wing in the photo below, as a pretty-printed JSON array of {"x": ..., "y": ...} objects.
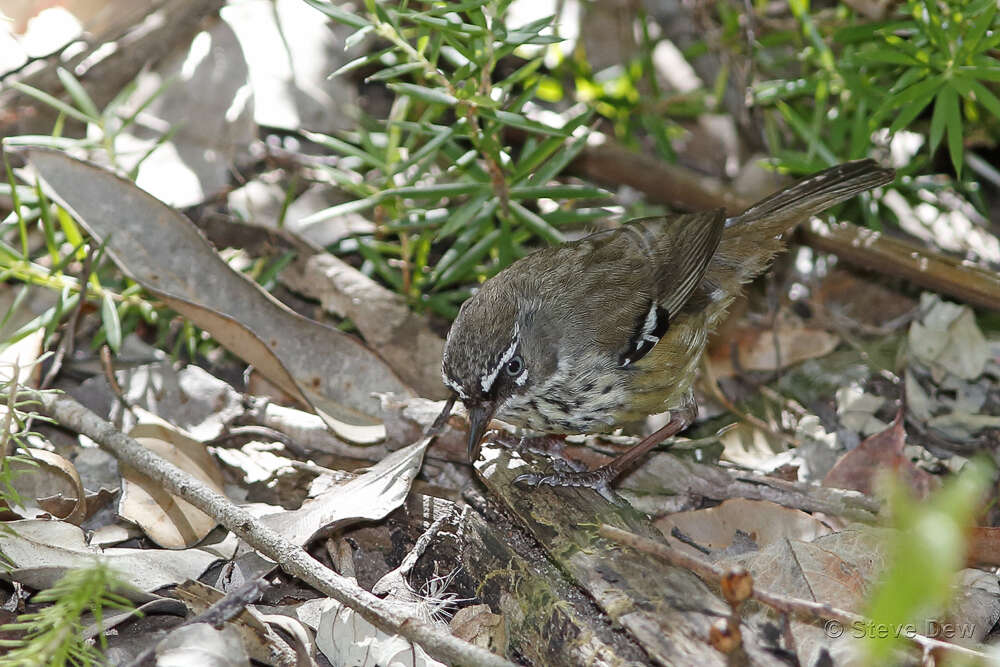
[{"x": 680, "y": 248}]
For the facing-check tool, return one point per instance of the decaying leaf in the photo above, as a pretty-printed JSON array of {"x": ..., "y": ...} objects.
[
  {"x": 880, "y": 454},
  {"x": 50, "y": 486},
  {"x": 157, "y": 247},
  {"x": 202, "y": 644},
  {"x": 947, "y": 339},
  {"x": 259, "y": 640},
  {"x": 348, "y": 639},
  {"x": 169, "y": 521},
  {"x": 369, "y": 496},
  {"x": 42, "y": 551},
  {"x": 760, "y": 521},
  {"x": 761, "y": 349}
]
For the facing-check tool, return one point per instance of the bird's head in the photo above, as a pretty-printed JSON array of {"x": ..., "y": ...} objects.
[{"x": 495, "y": 350}]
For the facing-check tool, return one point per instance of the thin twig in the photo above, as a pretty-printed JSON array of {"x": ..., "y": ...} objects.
[
  {"x": 807, "y": 609},
  {"x": 293, "y": 559}
]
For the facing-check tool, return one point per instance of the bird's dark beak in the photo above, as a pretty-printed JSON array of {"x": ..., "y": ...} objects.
[{"x": 480, "y": 415}]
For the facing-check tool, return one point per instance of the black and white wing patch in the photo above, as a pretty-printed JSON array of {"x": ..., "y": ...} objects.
[{"x": 649, "y": 330}]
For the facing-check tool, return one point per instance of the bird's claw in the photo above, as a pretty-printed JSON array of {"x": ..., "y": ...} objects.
[{"x": 599, "y": 480}]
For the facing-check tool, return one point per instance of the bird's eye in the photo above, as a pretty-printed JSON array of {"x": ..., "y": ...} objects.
[{"x": 514, "y": 366}]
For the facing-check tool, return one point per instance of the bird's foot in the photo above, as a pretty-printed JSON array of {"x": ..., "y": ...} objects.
[{"x": 599, "y": 480}]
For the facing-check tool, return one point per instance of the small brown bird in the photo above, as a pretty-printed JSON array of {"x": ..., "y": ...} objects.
[{"x": 604, "y": 331}]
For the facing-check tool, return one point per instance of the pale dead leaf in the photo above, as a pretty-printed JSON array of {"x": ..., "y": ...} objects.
[
  {"x": 50, "y": 486},
  {"x": 403, "y": 338},
  {"x": 348, "y": 639},
  {"x": 756, "y": 351},
  {"x": 203, "y": 645},
  {"x": 42, "y": 551},
  {"x": 370, "y": 496},
  {"x": 947, "y": 339},
  {"x": 763, "y": 521},
  {"x": 258, "y": 638},
  {"x": 169, "y": 521},
  {"x": 157, "y": 247}
]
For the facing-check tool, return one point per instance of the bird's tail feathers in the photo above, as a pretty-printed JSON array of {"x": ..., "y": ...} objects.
[{"x": 751, "y": 239}]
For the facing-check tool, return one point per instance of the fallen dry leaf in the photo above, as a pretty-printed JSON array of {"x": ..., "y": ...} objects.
[
  {"x": 43, "y": 551},
  {"x": 169, "y": 521},
  {"x": 156, "y": 246},
  {"x": 348, "y": 639},
  {"x": 756, "y": 348},
  {"x": 370, "y": 496},
  {"x": 880, "y": 454},
  {"x": 761, "y": 521},
  {"x": 50, "y": 485}
]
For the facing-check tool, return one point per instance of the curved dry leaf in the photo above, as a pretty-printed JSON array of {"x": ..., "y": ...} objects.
[
  {"x": 163, "y": 251},
  {"x": 348, "y": 639},
  {"x": 762, "y": 521},
  {"x": 403, "y": 338},
  {"x": 877, "y": 455},
  {"x": 260, "y": 641},
  {"x": 43, "y": 551},
  {"x": 370, "y": 496},
  {"x": 50, "y": 486},
  {"x": 761, "y": 349},
  {"x": 169, "y": 521},
  {"x": 201, "y": 644}
]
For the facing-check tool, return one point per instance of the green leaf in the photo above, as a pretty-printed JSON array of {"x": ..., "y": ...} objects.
[
  {"x": 536, "y": 156},
  {"x": 112, "y": 325},
  {"x": 344, "y": 148},
  {"x": 457, "y": 7},
  {"x": 458, "y": 270},
  {"x": 79, "y": 95},
  {"x": 910, "y": 111},
  {"x": 520, "y": 122},
  {"x": 557, "y": 192},
  {"x": 339, "y": 15},
  {"x": 576, "y": 216},
  {"x": 436, "y": 191},
  {"x": 944, "y": 99},
  {"x": 923, "y": 91},
  {"x": 816, "y": 144},
  {"x": 978, "y": 71},
  {"x": 361, "y": 62},
  {"x": 975, "y": 34},
  {"x": 554, "y": 166},
  {"x": 986, "y": 98},
  {"x": 475, "y": 207},
  {"x": 53, "y": 102},
  {"x": 393, "y": 72},
  {"x": 357, "y": 37},
  {"x": 342, "y": 209},
  {"x": 537, "y": 224},
  {"x": 466, "y": 30},
  {"x": 429, "y": 95},
  {"x": 953, "y": 121}
]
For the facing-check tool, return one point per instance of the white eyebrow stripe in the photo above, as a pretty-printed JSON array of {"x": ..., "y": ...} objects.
[
  {"x": 490, "y": 377},
  {"x": 454, "y": 385}
]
